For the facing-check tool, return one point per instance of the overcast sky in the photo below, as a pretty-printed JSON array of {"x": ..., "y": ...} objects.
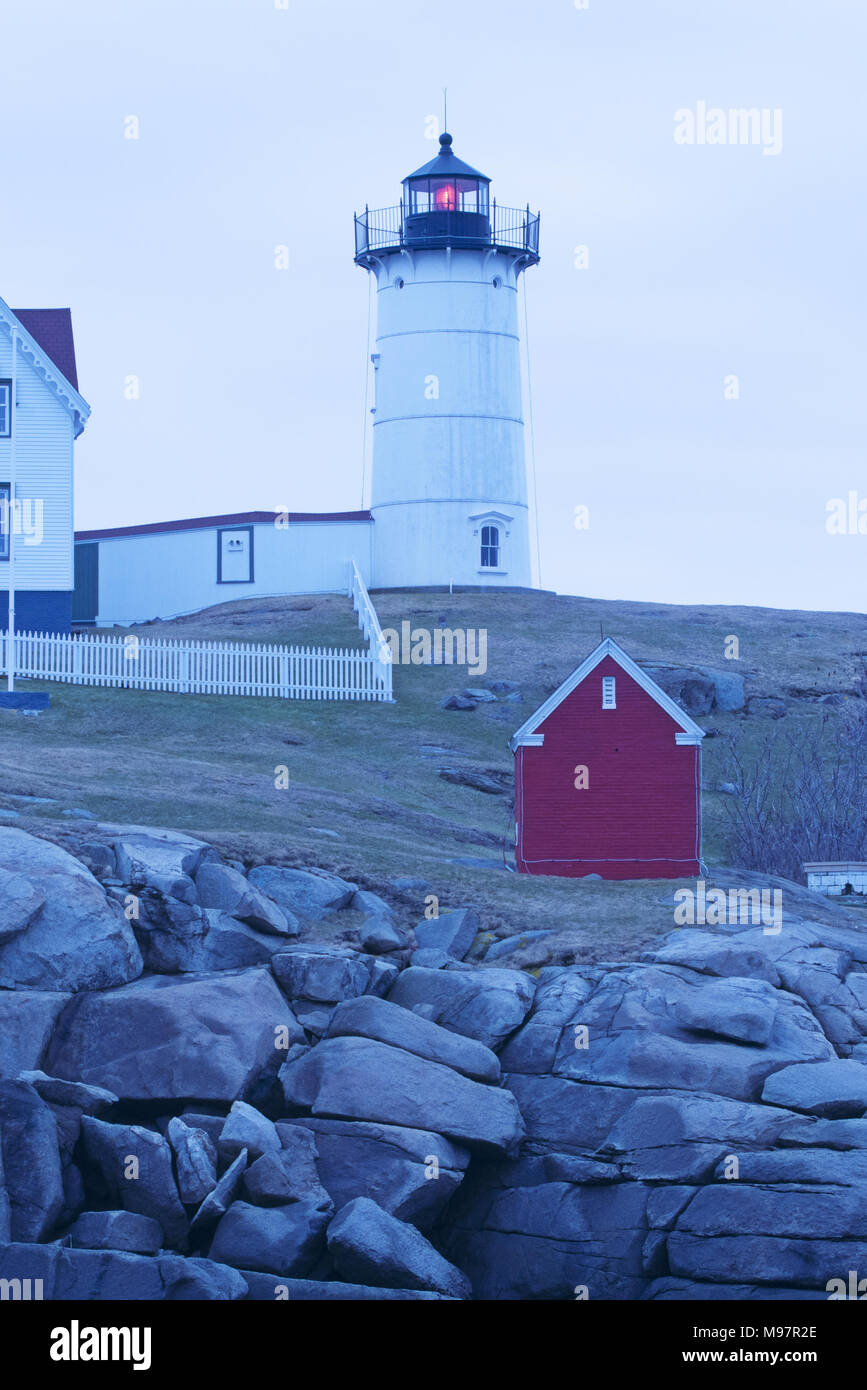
[{"x": 262, "y": 126}]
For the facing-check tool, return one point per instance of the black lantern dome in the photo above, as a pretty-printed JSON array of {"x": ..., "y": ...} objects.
[{"x": 446, "y": 200}]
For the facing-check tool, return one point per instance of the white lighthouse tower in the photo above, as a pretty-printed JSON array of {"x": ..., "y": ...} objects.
[{"x": 449, "y": 485}]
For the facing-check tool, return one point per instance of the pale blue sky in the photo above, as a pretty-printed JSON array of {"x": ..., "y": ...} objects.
[{"x": 261, "y": 126}]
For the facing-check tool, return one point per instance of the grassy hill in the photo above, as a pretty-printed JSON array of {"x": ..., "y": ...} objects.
[{"x": 365, "y": 795}]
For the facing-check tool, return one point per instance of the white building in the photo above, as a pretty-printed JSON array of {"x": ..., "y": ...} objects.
[
  {"x": 449, "y": 499},
  {"x": 834, "y": 879},
  {"x": 41, "y": 416},
  {"x": 132, "y": 574}
]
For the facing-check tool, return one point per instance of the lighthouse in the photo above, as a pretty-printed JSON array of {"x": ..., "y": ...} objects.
[{"x": 449, "y": 475}]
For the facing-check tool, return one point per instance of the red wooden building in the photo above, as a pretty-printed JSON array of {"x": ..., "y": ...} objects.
[{"x": 608, "y": 777}]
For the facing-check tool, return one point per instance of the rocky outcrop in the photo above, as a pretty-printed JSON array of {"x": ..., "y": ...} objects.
[{"x": 325, "y": 1123}]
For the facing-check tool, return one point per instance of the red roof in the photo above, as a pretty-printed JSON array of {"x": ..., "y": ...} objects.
[
  {"x": 197, "y": 523},
  {"x": 52, "y": 329}
]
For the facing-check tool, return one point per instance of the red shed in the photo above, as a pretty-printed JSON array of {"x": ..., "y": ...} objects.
[{"x": 608, "y": 777}]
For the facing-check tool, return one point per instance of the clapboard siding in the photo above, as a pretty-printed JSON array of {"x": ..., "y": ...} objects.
[
  {"x": 169, "y": 573},
  {"x": 640, "y": 816},
  {"x": 44, "y": 436}
]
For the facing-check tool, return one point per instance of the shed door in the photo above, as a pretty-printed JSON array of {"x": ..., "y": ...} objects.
[{"x": 85, "y": 598}]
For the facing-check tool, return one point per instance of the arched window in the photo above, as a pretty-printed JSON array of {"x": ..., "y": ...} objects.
[{"x": 490, "y": 547}]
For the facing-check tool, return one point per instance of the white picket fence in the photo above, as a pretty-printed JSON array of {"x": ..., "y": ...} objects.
[
  {"x": 200, "y": 668},
  {"x": 212, "y": 668}
]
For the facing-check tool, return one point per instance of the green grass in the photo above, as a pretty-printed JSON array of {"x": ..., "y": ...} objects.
[{"x": 207, "y": 764}]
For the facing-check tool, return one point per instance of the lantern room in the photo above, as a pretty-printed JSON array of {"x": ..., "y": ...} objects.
[{"x": 446, "y": 201}]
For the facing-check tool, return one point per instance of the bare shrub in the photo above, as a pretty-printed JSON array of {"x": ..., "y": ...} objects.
[{"x": 801, "y": 797}]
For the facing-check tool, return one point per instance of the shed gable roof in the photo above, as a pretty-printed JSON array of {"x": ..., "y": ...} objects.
[
  {"x": 46, "y": 343},
  {"x": 527, "y": 735}
]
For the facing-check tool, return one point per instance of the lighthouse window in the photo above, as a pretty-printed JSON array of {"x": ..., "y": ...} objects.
[
  {"x": 5, "y": 408},
  {"x": 398, "y": 284},
  {"x": 447, "y": 195},
  {"x": 497, "y": 282},
  {"x": 490, "y": 547}
]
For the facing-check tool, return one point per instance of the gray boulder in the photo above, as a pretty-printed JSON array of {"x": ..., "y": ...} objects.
[
  {"x": 728, "y": 689},
  {"x": 218, "y": 1201},
  {"x": 680, "y": 1138},
  {"x": 20, "y": 900},
  {"x": 379, "y": 936},
  {"x": 182, "y": 938},
  {"x": 557, "y": 1002},
  {"x": 484, "y": 1004},
  {"x": 224, "y": 888},
  {"x": 88, "y": 1100},
  {"x": 310, "y": 893},
  {"x": 741, "y": 1010},
  {"x": 31, "y": 1164},
  {"x": 369, "y": 1246},
  {"x": 371, "y": 904},
  {"x": 27, "y": 1019},
  {"x": 370, "y": 1017},
  {"x": 539, "y": 1242},
  {"x": 171, "y": 1038},
  {"x": 132, "y": 1167},
  {"x": 65, "y": 1275},
  {"x": 289, "y": 1175},
  {"x": 568, "y": 1116},
  {"x": 117, "y": 1230},
  {"x": 458, "y": 702},
  {"x": 149, "y": 855},
  {"x": 326, "y": 974},
  {"x": 634, "y": 1037},
  {"x": 713, "y": 954},
  {"x": 690, "y": 689},
  {"x": 78, "y": 939},
  {"x": 411, "y": 1173},
  {"x": 835, "y": 1089},
  {"x": 429, "y": 959},
  {"x": 358, "y": 1079},
  {"x": 828, "y": 1167},
  {"x": 195, "y": 1161},
  {"x": 246, "y": 1128},
  {"x": 453, "y": 932},
  {"x": 278, "y": 1240},
  {"x": 507, "y": 945}
]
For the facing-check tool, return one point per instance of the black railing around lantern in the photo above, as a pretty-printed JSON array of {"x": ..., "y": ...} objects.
[{"x": 392, "y": 229}]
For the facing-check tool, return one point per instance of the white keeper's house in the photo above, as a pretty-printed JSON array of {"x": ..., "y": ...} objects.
[
  {"x": 449, "y": 497},
  {"x": 41, "y": 416}
]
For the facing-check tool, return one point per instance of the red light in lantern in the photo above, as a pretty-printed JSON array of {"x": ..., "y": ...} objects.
[{"x": 445, "y": 199}]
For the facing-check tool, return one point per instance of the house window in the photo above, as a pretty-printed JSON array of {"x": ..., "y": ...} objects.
[
  {"x": 490, "y": 547},
  {"x": 5, "y": 520},
  {"x": 608, "y": 696},
  {"x": 5, "y": 409}
]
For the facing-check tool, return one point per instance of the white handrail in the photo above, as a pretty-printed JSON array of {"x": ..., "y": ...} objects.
[{"x": 369, "y": 624}]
